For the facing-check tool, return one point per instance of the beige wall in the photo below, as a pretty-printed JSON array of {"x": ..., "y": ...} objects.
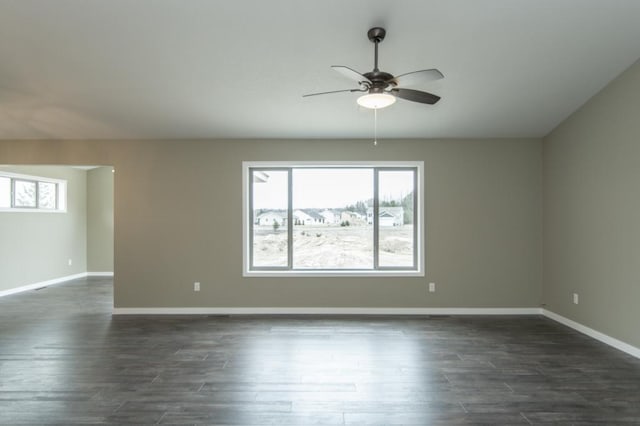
[
  {"x": 100, "y": 220},
  {"x": 592, "y": 212},
  {"x": 36, "y": 247},
  {"x": 178, "y": 220}
]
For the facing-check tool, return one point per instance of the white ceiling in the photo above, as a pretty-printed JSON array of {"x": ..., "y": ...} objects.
[{"x": 237, "y": 69}]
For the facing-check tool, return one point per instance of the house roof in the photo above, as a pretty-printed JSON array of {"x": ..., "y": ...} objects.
[
  {"x": 208, "y": 69},
  {"x": 393, "y": 210},
  {"x": 272, "y": 213},
  {"x": 307, "y": 214}
]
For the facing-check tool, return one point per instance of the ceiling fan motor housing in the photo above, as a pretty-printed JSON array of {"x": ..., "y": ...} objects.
[{"x": 380, "y": 81}]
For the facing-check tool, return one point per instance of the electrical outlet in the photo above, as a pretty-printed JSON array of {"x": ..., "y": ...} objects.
[
  {"x": 70, "y": 262},
  {"x": 575, "y": 298},
  {"x": 432, "y": 287},
  {"x": 196, "y": 286}
]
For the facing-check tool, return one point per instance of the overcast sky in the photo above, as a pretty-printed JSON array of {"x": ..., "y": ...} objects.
[{"x": 329, "y": 188}]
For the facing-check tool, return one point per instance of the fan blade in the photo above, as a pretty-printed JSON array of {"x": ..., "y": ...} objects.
[
  {"x": 416, "y": 96},
  {"x": 416, "y": 78},
  {"x": 351, "y": 74},
  {"x": 333, "y": 91}
]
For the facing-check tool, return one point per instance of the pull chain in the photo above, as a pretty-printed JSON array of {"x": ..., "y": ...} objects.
[{"x": 375, "y": 127}]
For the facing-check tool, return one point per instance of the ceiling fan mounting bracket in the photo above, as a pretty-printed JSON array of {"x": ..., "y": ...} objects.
[{"x": 376, "y": 34}]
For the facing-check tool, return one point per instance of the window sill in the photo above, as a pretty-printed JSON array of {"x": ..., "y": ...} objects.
[
  {"x": 21, "y": 210},
  {"x": 332, "y": 273}
]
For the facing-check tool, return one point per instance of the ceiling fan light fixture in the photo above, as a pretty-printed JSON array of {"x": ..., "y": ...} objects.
[{"x": 376, "y": 100}]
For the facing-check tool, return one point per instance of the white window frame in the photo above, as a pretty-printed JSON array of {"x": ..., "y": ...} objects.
[
  {"x": 419, "y": 224},
  {"x": 61, "y": 193}
]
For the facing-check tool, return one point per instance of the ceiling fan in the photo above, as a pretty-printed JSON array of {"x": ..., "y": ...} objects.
[{"x": 383, "y": 88}]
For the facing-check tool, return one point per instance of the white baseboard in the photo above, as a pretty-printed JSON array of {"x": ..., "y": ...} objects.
[
  {"x": 611, "y": 341},
  {"x": 41, "y": 284},
  {"x": 618, "y": 344},
  {"x": 54, "y": 281},
  {"x": 326, "y": 311}
]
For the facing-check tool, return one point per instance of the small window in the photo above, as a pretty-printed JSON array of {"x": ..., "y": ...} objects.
[
  {"x": 333, "y": 219},
  {"x": 5, "y": 192},
  {"x": 24, "y": 194},
  {"x": 47, "y": 195},
  {"x": 31, "y": 193}
]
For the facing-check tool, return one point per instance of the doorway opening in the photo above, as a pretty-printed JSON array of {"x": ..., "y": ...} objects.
[{"x": 57, "y": 225}]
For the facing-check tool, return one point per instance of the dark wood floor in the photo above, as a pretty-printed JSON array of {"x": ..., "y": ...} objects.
[{"x": 65, "y": 360}]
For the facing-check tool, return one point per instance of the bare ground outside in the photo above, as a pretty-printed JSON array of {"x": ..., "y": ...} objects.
[{"x": 333, "y": 247}]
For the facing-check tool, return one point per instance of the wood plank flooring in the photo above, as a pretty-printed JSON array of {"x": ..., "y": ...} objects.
[{"x": 65, "y": 360}]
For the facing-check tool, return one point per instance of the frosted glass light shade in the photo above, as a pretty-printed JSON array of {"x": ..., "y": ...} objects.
[{"x": 376, "y": 100}]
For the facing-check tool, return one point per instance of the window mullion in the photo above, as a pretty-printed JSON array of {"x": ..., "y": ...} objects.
[
  {"x": 416, "y": 221},
  {"x": 290, "y": 219},
  {"x": 13, "y": 193},
  {"x": 376, "y": 208},
  {"x": 37, "y": 194},
  {"x": 251, "y": 217}
]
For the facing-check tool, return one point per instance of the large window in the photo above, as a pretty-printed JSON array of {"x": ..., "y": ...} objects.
[
  {"x": 31, "y": 193},
  {"x": 333, "y": 218}
]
